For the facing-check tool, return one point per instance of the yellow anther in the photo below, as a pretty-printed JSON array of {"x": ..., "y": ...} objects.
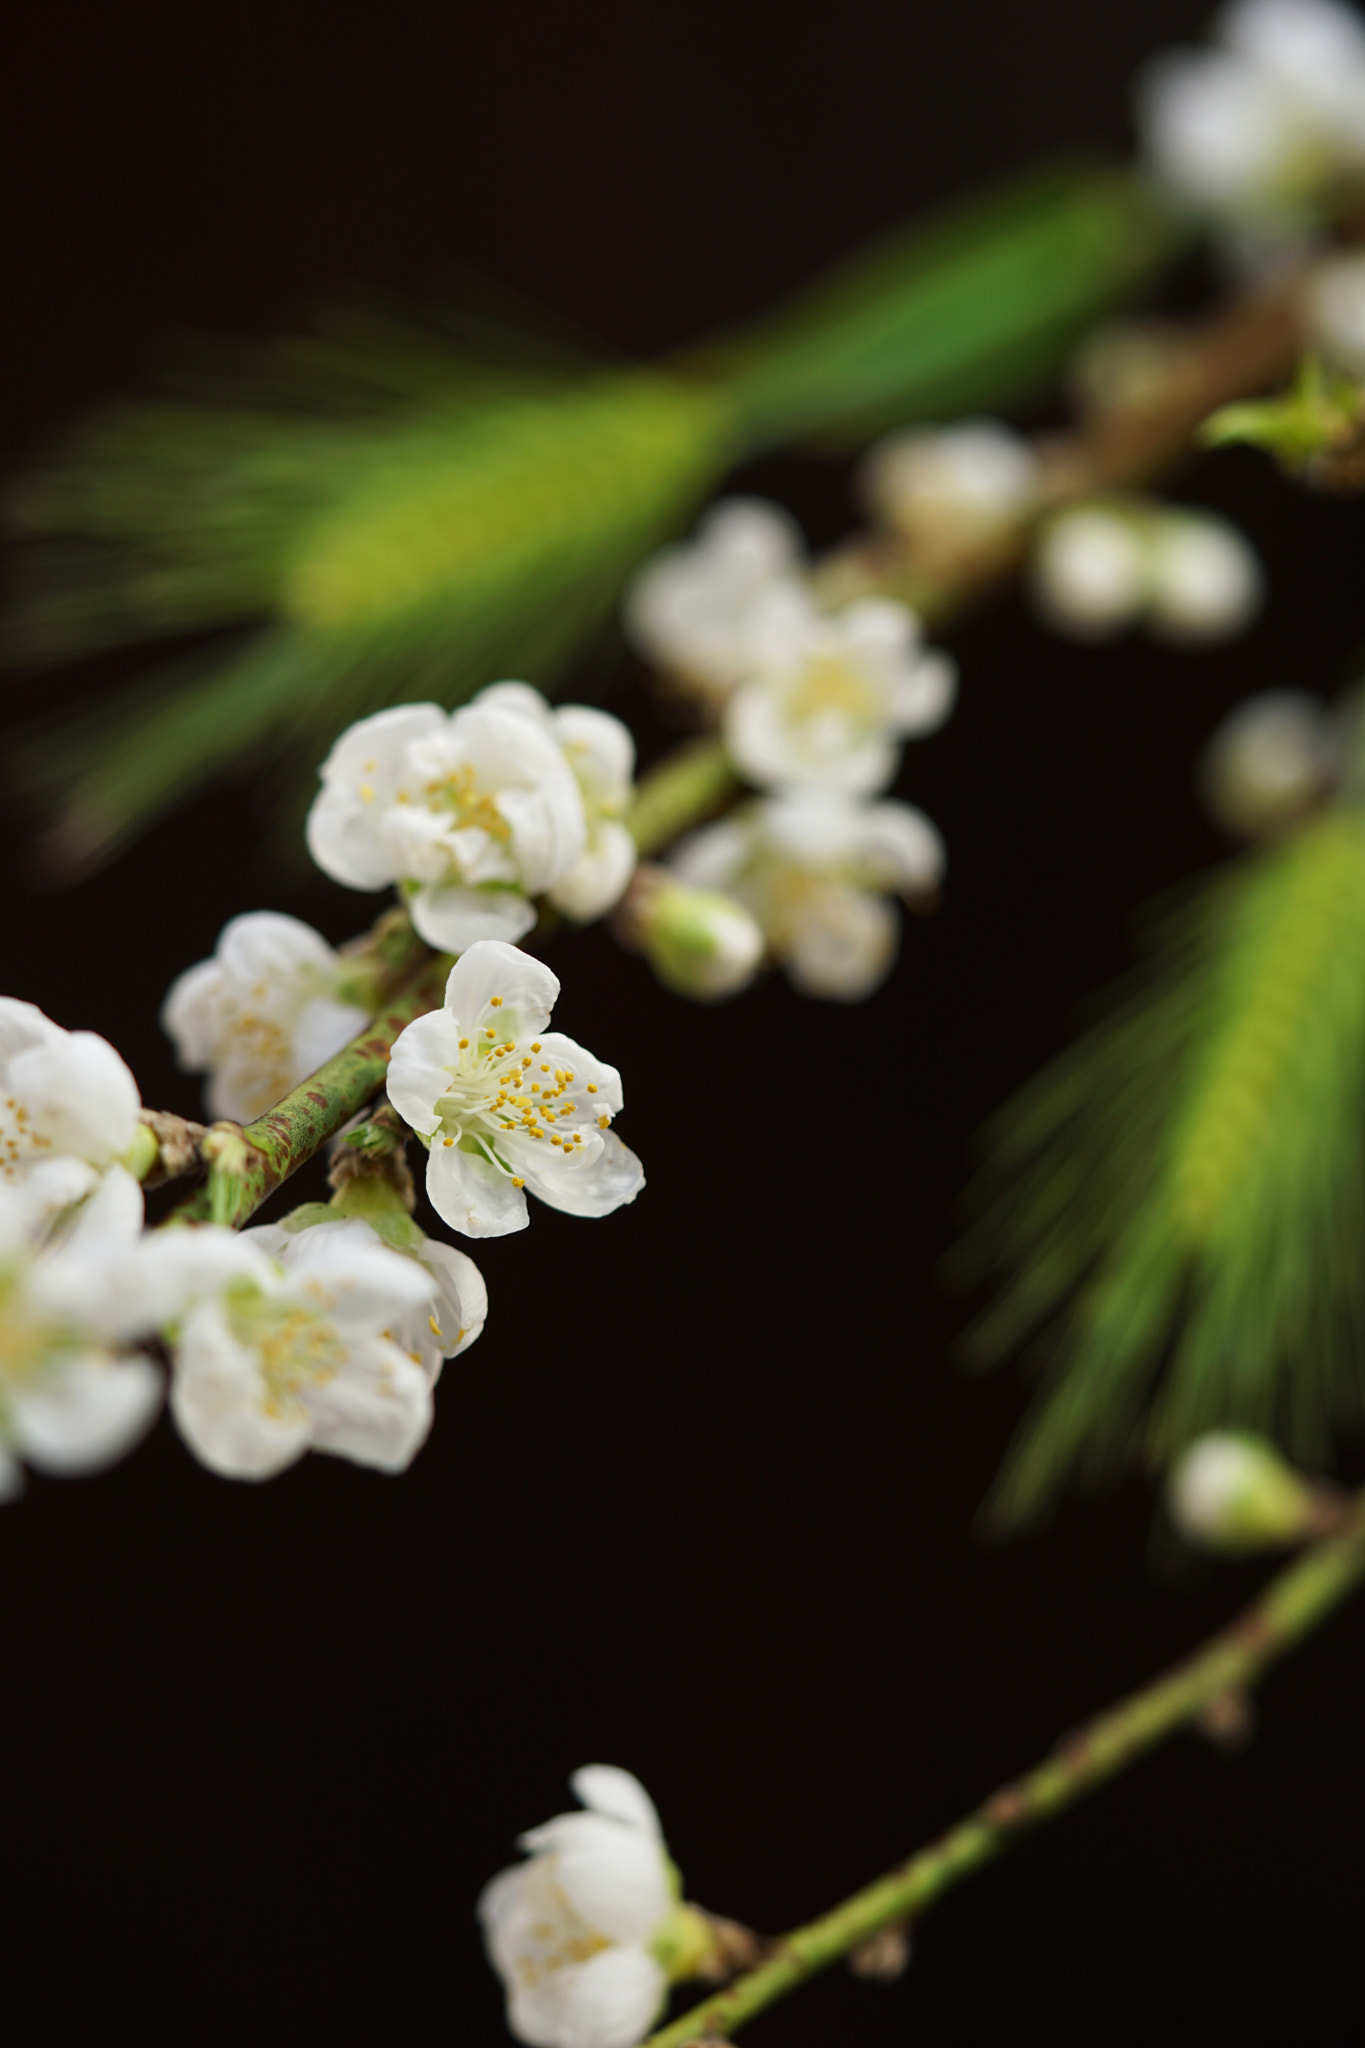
[
  {"x": 490, "y": 1032},
  {"x": 517, "y": 1181},
  {"x": 536, "y": 1046},
  {"x": 495, "y": 1002},
  {"x": 435, "y": 1328},
  {"x": 464, "y": 1042},
  {"x": 544, "y": 1066},
  {"x": 449, "y": 1141},
  {"x": 556, "y": 1141},
  {"x": 526, "y": 1059},
  {"x": 592, "y": 1087},
  {"x": 602, "y": 1122},
  {"x": 366, "y": 792}
]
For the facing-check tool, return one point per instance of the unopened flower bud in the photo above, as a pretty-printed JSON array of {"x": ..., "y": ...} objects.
[
  {"x": 974, "y": 478},
  {"x": 1228, "y": 1491},
  {"x": 1269, "y": 762},
  {"x": 1206, "y": 582},
  {"x": 699, "y": 942},
  {"x": 1089, "y": 572}
]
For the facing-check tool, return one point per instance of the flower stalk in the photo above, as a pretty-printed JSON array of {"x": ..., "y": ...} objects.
[{"x": 1226, "y": 1666}]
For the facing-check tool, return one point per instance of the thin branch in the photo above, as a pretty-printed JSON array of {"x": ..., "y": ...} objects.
[{"x": 1230, "y": 1662}]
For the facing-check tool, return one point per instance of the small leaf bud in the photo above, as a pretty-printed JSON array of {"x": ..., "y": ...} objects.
[{"x": 699, "y": 942}]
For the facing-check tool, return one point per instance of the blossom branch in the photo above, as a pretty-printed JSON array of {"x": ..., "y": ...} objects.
[{"x": 1230, "y": 1662}]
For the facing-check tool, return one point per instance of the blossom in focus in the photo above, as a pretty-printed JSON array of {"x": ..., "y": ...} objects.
[
  {"x": 688, "y": 608},
  {"x": 964, "y": 481},
  {"x": 73, "y": 1395},
  {"x": 503, "y": 1104},
  {"x": 473, "y": 811},
  {"x": 1230, "y": 1491},
  {"x": 815, "y": 868},
  {"x": 316, "y": 1341},
  {"x": 601, "y": 752},
  {"x": 261, "y": 1015},
  {"x": 1268, "y": 124},
  {"x": 61, "y": 1092},
  {"x": 1188, "y": 576},
  {"x": 1336, "y": 311},
  {"x": 827, "y": 698},
  {"x": 586, "y": 1933},
  {"x": 1270, "y": 761}
]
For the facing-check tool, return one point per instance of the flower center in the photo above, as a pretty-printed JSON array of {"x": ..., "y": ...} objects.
[
  {"x": 295, "y": 1348},
  {"x": 458, "y": 794},
  {"x": 502, "y": 1086},
  {"x": 28, "y": 1344},
  {"x": 828, "y": 685}
]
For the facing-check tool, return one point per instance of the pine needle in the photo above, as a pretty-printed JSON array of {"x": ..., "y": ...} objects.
[{"x": 1178, "y": 1204}]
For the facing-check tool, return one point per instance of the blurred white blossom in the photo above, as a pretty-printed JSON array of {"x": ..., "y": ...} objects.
[
  {"x": 1269, "y": 762},
  {"x": 474, "y": 811},
  {"x": 828, "y": 698},
  {"x": 62, "y": 1092},
  {"x": 1336, "y": 311},
  {"x": 688, "y": 609},
  {"x": 321, "y": 1340},
  {"x": 1230, "y": 1491},
  {"x": 964, "y": 481},
  {"x": 504, "y": 1105},
  {"x": 1263, "y": 129},
  {"x": 584, "y": 1933},
  {"x": 601, "y": 752},
  {"x": 815, "y": 868},
  {"x": 1188, "y": 576},
  {"x": 262, "y": 1014},
  {"x": 73, "y": 1395}
]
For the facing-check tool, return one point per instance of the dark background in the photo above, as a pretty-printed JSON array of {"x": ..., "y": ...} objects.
[{"x": 701, "y": 1501}]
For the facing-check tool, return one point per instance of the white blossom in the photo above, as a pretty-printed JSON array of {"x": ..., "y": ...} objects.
[
  {"x": 1270, "y": 760},
  {"x": 601, "y": 752},
  {"x": 815, "y": 869},
  {"x": 578, "y": 1931},
  {"x": 1336, "y": 311},
  {"x": 261, "y": 1015},
  {"x": 1188, "y": 576},
  {"x": 473, "y": 811},
  {"x": 504, "y": 1104},
  {"x": 1231, "y": 1491},
  {"x": 1261, "y": 128},
  {"x": 688, "y": 608},
  {"x": 73, "y": 1395},
  {"x": 828, "y": 698},
  {"x": 62, "y": 1092},
  {"x": 322, "y": 1340},
  {"x": 967, "y": 480}
]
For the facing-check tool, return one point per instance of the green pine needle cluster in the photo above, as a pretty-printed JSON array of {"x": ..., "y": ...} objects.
[
  {"x": 1177, "y": 1205},
  {"x": 380, "y": 512}
]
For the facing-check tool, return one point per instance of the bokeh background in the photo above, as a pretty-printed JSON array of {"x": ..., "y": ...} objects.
[{"x": 703, "y": 1500}]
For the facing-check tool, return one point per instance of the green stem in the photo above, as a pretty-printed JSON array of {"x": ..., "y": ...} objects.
[
  {"x": 685, "y": 787},
  {"x": 1229, "y": 1662},
  {"x": 245, "y": 1164}
]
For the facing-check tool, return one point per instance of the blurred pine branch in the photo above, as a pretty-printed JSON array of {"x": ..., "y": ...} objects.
[
  {"x": 1177, "y": 1205},
  {"x": 382, "y": 510}
]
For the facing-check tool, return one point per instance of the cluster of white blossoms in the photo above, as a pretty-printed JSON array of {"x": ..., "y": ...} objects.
[
  {"x": 813, "y": 705},
  {"x": 589, "y": 1932},
  {"x": 1265, "y": 129},
  {"x": 279, "y": 1339},
  {"x": 1188, "y": 577},
  {"x": 476, "y": 811},
  {"x": 816, "y": 869}
]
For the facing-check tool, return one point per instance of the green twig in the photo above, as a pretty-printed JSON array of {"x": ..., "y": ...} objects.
[
  {"x": 1228, "y": 1663},
  {"x": 685, "y": 787}
]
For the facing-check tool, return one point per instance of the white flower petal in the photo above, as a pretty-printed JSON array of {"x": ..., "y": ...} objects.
[
  {"x": 587, "y": 1185},
  {"x": 606, "y": 1788},
  {"x": 418, "y": 1063},
  {"x": 461, "y": 1306},
  {"x": 375, "y": 1411},
  {"x": 218, "y": 1399},
  {"x": 452, "y": 918},
  {"x": 471, "y": 1195},
  {"x": 600, "y": 877},
  {"x": 80, "y": 1096},
  {"x": 525, "y": 988},
  {"x": 613, "y": 2000},
  {"x": 86, "y": 1413}
]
